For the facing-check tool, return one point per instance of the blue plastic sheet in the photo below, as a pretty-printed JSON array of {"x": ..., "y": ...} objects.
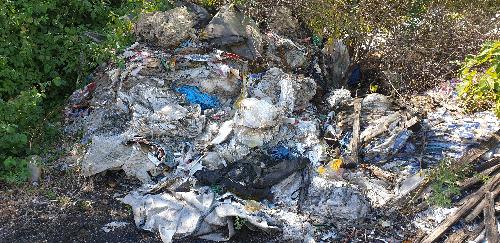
[
  {"x": 195, "y": 96},
  {"x": 256, "y": 76},
  {"x": 280, "y": 152},
  {"x": 355, "y": 76}
]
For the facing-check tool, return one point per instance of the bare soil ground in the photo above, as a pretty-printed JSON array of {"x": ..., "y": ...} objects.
[{"x": 66, "y": 207}]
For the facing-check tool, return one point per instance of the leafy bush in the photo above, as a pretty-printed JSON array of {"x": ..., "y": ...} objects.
[
  {"x": 444, "y": 182},
  {"x": 47, "y": 49},
  {"x": 480, "y": 87}
]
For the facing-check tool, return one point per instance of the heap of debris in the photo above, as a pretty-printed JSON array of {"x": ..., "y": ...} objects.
[{"x": 225, "y": 126}]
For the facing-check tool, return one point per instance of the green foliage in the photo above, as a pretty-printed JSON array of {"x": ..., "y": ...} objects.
[
  {"x": 216, "y": 189},
  {"x": 15, "y": 170},
  {"x": 444, "y": 182},
  {"x": 47, "y": 48},
  {"x": 480, "y": 87},
  {"x": 239, "y": 223},
  {"x": 17, "y": 118}
]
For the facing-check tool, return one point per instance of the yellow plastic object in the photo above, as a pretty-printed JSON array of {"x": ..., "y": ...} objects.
[
  {"x": 335, "y": 164},
  {"x": 332, "y": 166}
]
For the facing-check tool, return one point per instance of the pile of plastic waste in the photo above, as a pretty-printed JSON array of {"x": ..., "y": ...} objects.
[{"x": 216, "y": 139}]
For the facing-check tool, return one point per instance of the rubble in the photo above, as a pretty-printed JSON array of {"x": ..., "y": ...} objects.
[
  {"x": 213, "y": 138},
  {"x": 282, "y": 52},
  {"x": 113, "y": 225},
  {"x": 167, "y": 29},
  {"x": 232, "y": 29}
]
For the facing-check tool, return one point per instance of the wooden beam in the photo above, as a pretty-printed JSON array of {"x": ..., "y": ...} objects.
[
  {"x": 490, "y": 222},
  {"x": 356, "y": 131}
]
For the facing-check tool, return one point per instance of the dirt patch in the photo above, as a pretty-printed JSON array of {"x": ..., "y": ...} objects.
[{"x": 67, "y": 207}]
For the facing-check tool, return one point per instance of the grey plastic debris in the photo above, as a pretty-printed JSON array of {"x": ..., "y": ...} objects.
[
  {"x": 251, "y": 114},
  {"x": 113, "y": 225},
  {"x": 376, "y": 190},
  {"x": 429, "y": 219},
  {"x": 409, "y": 184},
  {"x": 166, "y": 29},
  {"x": 339, "y": 97},
  {"x": 111, "y": 153},
  {"x": 276, "y": 86},
  {"x": 194, "y": 213},
  {"x": 282, "y": 52},
  {"x": 326, "y": 202},
  {"x": 338, "y": 61},
  {"x": 224, "y": 132},
  {"x": 231, "y": 28}
]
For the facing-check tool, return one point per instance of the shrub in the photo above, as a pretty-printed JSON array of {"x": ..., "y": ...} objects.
[
  {"x": 414, "y": 44},
  {"x": 480, "y": 87},
  {"x": 444, "y": 179},
  {"x": 420, "y": 41},
  {"x": 47, "y": 49}
]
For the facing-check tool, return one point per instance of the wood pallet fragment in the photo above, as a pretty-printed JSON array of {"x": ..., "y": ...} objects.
[
  {"x": 468, "y": 204},
  {"x": 468, "y": 158},
  {"x": 473, "y": 203},
  {"x": 490, "y": 222}
]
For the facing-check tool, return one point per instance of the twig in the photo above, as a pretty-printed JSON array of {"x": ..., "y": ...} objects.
[{"x": 380, "y": 173}]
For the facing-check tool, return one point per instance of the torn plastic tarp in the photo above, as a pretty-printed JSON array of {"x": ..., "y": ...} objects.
[
  {"x": 112, "y": 153},
  {"x": 195, "y": 96},
  {"x": 198, "y": 213},
  {"x": 253, "y": 177}
]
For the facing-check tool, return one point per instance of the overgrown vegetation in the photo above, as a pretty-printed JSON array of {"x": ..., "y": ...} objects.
[
  {"x": 47, "y": 49},
  {"x": 480, "y": 87},
  {"x": 413, "y": 44}
]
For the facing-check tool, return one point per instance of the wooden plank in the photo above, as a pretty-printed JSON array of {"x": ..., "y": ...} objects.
[
  {"x": 490, "y": 222},
  {"x": 480, "y": 207},
  {"x": 356, "y": 131}
]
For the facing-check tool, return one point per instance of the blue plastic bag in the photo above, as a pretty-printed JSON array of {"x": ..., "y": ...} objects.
[
  {"x": 280, "y": 152},
  {"x": 195, "y": 96}
]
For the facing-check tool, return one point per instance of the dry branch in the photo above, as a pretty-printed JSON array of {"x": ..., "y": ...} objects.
[{"x": 469, "y": 182}]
